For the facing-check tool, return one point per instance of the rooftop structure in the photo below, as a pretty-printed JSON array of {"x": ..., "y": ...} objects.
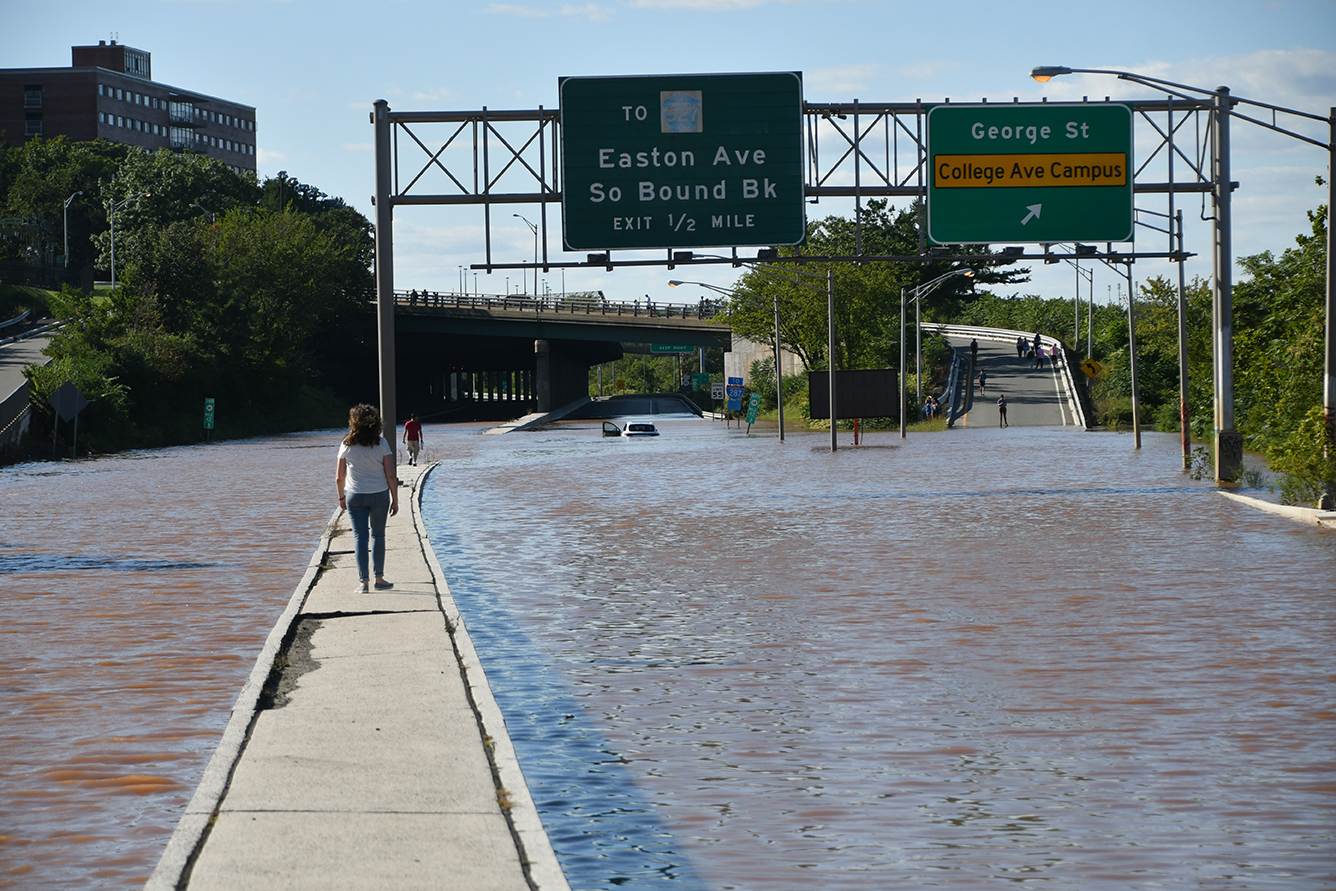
[{"x": 108, "y": 92}]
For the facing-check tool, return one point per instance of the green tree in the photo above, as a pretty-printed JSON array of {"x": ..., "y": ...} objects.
[
  {"x": 867, "y": 297},
  {"x": 40, "y": 175}
]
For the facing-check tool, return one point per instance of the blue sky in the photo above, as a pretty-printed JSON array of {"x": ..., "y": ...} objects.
[{"x": 312, "y": 70}]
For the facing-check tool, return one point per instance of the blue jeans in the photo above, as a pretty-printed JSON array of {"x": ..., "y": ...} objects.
[{"x": 372, "y": 510}]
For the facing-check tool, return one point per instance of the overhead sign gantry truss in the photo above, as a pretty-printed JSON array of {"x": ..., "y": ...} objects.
[{"x": 853, "y": 150}]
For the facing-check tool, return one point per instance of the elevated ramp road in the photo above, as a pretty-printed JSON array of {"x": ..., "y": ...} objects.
[
  {"x": 14, "y": 355},
  {"x": 1042, "y": 396}
]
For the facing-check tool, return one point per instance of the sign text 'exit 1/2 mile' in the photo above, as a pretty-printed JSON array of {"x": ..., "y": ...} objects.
[
  {"x": 699, "y": 160},
  {"x": 1043, "y": 173}
]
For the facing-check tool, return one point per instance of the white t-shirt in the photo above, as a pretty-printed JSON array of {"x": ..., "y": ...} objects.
[{"x": 366, "y": 468}]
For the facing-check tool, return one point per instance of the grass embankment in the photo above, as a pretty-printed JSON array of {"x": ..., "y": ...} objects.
[{"x": 14, "y": 299}]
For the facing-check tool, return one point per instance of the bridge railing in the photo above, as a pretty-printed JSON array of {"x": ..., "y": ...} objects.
[{"x": 702, "y": 310}]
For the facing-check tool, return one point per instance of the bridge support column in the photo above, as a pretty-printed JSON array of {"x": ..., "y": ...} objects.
[{"x": 543, "y": 372}]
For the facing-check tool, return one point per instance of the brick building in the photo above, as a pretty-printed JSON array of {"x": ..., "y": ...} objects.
[{"x": 109, "y": 93}]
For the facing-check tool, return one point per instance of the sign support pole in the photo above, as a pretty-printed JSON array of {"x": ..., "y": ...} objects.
[
  {"x": 1228, "y": 442},
  {"x": 1329, "y": 370},
  {"x": 1186, "y": 428},
  {"x": 1132, "y": 359},
  {"x": 779, "y": 372},
  {"x": 830, "y": 333},
  {"x": 385, "y": 267},
  {"x": 902, "y": 363}
]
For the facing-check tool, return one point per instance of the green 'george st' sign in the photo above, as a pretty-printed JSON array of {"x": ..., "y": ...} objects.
[
  {"x": 1042, "y": 173},
  {"x": 692, "y": 160}
]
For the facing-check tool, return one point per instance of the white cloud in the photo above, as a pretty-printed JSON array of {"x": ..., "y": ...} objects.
[
  {"x": 845, "y": 79},
  {"x": 926, "y": 70},
  {"x": 710, "y": 5},
  {"x": 591, "y": 11},
  {"x": 438, "y": 94},
  {"x": 359, "y": 147},
  {"x": 521, "y": 12},
  {"x": 264, "y": 156}
]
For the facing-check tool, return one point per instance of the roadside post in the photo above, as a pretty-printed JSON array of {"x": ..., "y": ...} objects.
[
  {"x": 208, "y": 419},
  {"x": 735, "y": 391},
  {"x": 752, "y": 405},
  {"x": 68, "y": 402}
]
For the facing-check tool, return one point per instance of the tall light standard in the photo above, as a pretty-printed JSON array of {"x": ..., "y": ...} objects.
[
  {"x": 533, "y": 229},
  {"x": 919, "y": 292},
  {"x": 796, "y": 279},
  {"x": 1228, "y": 442},
  {"x": 115, "y": 206},
  {"x": 779, "y": 371},
  {"x": 67, "y": 227},
  {"x": 213, "y": 217}
]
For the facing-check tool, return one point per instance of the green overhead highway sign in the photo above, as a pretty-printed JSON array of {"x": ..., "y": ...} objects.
[
  {"x": 692, "y": 160},
  {"x": 1030, "y": 173},
  {"x": 671, "y": 348}
]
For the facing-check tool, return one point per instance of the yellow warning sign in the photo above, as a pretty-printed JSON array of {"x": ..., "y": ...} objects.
[
  {"x": 1091, "y": 368},
  {"x": 1014, "y": 171}
]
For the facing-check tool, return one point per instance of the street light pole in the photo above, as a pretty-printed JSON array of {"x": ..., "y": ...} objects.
[
  {"x": 534, "y": 229},
  {"x": 779, "y": 372},
  {"x": 1228, "y": 442},
  {"x": 919, "y": 293},
  {"x": 115, "y": 206},
  {"x": 67, "y": 227}
]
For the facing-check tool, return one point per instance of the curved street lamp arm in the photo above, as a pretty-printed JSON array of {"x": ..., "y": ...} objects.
[{"x": 1044, "y": 73}]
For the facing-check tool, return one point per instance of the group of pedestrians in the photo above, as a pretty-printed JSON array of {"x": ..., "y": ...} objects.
[
  {"x": 1036, "y": 351},
  {"x": 368, "y": 488}
]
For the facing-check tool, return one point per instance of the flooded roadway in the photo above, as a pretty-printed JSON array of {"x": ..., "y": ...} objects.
[
  {"x": 977, "y": 658},
  {"x": 980, "y": 658}
]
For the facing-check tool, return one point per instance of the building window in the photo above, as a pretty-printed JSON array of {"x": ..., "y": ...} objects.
[
  {"x": 182, "y": 113},
  {"x": 32, "y": 96},
  {"x": 32, "y": 124}
]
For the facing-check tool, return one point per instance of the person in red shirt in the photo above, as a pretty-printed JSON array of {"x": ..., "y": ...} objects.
[{"x": 413, "y": 439}]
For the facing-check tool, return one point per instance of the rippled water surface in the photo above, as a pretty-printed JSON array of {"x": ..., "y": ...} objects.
[
  {"x": 135, "y": 594},
  {"x": 975, "y": 659}
]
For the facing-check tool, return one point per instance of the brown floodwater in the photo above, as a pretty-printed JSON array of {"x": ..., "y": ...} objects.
[
  {"x": 135, "y": 593},
  {"x": 975, "y": 659}
]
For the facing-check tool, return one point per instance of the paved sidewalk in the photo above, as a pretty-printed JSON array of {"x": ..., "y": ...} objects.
[{"x": 376, "y": 772}]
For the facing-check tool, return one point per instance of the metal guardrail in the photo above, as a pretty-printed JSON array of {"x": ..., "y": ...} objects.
[
  {"x": 703, "y": 310},
  {"x": 17, "y": 320}
]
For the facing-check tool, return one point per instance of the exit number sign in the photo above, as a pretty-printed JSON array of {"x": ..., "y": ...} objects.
[
  {"x": 1042, "y": 173},
  {"x": 692, "y": 160}
]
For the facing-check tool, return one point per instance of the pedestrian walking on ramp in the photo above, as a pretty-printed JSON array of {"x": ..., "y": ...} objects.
[{"x": 1002, "y": 410}]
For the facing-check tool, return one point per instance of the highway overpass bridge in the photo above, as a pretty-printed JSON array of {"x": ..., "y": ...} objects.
[{"x": 513, "y": 354}]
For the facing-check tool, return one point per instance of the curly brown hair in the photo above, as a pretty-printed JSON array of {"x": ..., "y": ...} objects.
[{"x": 363, "y": 426}]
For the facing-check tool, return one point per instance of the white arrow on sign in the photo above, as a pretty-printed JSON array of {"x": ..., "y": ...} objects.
[{"x": 1033, "y": 212}]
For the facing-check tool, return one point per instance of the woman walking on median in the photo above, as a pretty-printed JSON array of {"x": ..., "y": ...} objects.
[{"x": 368, "y": 490}]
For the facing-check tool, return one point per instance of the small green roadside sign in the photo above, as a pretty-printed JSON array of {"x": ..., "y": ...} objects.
[
  {"x": 753, "y": 405},
  {"x": 208, "y": 413},
  {"x": 690, "y": 160},
  {"x": 1021, "y": 174}
]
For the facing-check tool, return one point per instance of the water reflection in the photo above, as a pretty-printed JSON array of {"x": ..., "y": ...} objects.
[{"x": 979, "y": 657}]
